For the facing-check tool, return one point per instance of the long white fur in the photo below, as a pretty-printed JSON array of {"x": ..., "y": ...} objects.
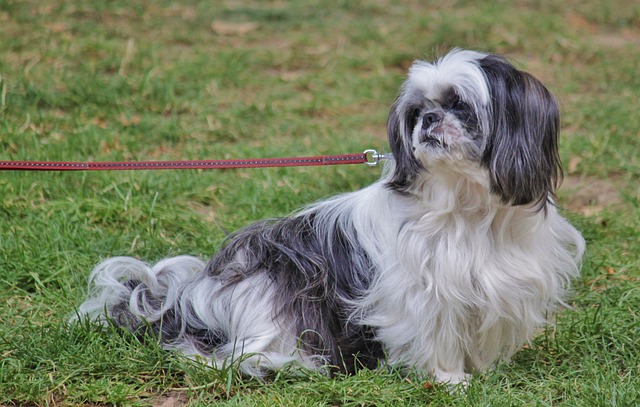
[{"x": 460, "y": 276}]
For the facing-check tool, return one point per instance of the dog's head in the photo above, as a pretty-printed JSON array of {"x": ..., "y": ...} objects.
[{"x": 474, "y": 108}]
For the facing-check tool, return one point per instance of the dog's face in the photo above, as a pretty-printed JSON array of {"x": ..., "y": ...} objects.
[{"x": 476, "y": 111}]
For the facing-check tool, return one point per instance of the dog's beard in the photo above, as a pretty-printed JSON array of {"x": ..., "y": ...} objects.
[{"x": 448, "y": 139}]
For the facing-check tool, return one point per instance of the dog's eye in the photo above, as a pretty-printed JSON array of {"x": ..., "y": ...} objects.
[
  {"x": 415, "y": 113},
  {"x": 458, "y": 105}
]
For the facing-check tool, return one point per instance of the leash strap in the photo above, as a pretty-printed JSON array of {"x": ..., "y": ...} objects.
[{"x": 369, "y": 157}]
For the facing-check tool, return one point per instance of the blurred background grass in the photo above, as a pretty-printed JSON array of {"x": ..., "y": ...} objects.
[{"x": 111, "y": 80}]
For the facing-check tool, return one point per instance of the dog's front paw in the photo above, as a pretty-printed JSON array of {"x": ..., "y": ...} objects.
[{"x": 458, "y": 380}]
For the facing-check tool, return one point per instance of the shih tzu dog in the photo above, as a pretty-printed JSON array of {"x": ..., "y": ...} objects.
[{"x": 445, "y": 266}]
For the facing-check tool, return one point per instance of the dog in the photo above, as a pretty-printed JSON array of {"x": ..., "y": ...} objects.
[{"x": 445, "y": 266}]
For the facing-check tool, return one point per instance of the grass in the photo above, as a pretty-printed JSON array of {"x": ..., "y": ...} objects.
[{"x": 111, "y": 80}]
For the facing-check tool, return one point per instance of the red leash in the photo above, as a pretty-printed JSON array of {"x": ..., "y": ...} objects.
[{"x": 369, "y": 157}]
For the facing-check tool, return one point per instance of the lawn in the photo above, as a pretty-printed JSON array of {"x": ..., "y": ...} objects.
[{"x": 163, "y": 80}]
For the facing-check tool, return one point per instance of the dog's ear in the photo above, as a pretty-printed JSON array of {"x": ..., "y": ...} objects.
[
  {"x": 521, "y": 151},
  {"x": 402, "y": 119}
]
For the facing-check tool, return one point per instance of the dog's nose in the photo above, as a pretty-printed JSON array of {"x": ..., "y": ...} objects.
[{"x": 430, "y": 118}]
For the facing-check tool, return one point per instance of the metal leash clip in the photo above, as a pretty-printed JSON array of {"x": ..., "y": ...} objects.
[{"x": 373, "y": 157}]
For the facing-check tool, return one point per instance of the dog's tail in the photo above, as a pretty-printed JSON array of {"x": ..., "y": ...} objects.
[{"x": 134, "y": 294}]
